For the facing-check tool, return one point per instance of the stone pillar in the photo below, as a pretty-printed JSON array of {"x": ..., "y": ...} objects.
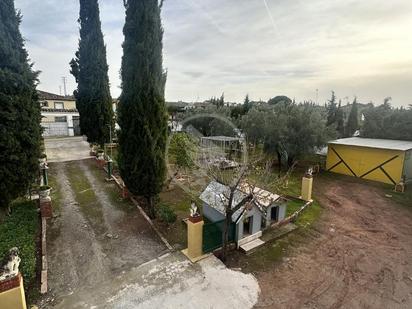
[
  {"x": 12, "y": 293},
  {"x": 307, "y": 182},
  {"x": 70, "y": 125}
]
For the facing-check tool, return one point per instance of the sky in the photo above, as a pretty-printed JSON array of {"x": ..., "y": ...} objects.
[{"x": 302, "y": 49}]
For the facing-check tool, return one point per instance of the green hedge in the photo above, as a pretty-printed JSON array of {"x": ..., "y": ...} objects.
[
  {"x": 165, "y": 213},
  {"x": 19, "y": 230}
]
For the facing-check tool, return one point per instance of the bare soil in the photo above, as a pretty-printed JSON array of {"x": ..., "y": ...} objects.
[{"x": 357, "y": 256}]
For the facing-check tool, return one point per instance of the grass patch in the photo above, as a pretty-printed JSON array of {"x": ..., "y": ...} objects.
[
  {"x": 110, "y": 188},
  {"x": 178, "y": 201},
  {"x": 56, "y": 190},
  {"x": 85, "y": 196},
  {"x": 21, "y": 230}
]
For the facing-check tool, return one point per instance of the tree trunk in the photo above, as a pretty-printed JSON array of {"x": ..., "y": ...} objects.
[
  {"x": 151, "y": 207},
  {"x": 169, "y": 181},
  {"x": 228, "y": 221},
  {"x": 279, "y": 162}
]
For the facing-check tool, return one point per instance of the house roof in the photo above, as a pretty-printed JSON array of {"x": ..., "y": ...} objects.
[
  {"x": 216, "y": 195},
  {"x": 374, "y": 143},
  {"x": 43, "y": 95},
  {"x": 59, "y": 110}
]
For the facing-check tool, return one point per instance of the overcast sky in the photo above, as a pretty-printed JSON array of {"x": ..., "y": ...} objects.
[{"x": 264, "y": 48}]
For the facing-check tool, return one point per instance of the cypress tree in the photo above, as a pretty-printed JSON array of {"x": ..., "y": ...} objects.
[
  {"x": 332, "y": 110},
  {"x": 90, "y": 68},
  {"x": 353, "y": 121},
  {"x": 340, "y": 126},
  {"x": 142, "y": 113},
  {"x": 20, "y": 131}
]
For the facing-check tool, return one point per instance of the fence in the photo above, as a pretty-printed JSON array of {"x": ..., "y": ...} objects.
[{"x": 213, "y": 235}]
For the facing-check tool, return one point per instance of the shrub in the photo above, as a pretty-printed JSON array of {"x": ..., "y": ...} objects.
[
  {"x": 19, "y": 230},
  {"x": 166, "y": 214}
]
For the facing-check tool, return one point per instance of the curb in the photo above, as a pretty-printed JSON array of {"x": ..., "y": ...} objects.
[{"x": 43, "y": 274}]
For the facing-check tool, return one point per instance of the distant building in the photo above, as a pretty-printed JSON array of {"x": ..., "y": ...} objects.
[{"x": 59, "y": 115}]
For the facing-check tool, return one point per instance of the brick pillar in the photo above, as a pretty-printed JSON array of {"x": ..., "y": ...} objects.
[{"x": 12, "y": 293}]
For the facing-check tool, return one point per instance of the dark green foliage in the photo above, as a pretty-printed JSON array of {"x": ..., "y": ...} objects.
[
  {"x": 240, "y": 110},
  {"x": 20, "y": 131},
  {"x": 208, "y": 123},
  {"x": 287, "y": 131},
  {"x": 388, "y": 123},
  {"x": 90, "y": 68},
  {"x": 332, "y": 110},
  {"x": 279, "y": 99},
  {"x": 20, "y": 230},
  {"x": 340, "y": 121},
  {"x": 165, "y": 213},
  {"x": 142, "y": 111},
  {"x": 353, "y": 120},
  {"x": 182, "y": 150},
  {"x": 218, "y": 102}
]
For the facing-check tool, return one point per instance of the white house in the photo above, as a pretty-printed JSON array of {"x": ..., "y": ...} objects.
[{"x": 59, "y": 115}]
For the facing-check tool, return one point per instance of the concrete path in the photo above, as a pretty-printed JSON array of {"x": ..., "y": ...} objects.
[
  {"x": 66, "y": 149},
  {"x": 171, "y": 281}
]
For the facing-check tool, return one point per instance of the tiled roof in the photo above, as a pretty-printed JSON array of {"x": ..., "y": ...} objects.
[
  {"x": 59, "y": 110},
  {"x": 43, "y": 95}
]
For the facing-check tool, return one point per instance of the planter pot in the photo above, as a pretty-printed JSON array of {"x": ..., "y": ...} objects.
[
  {"x": 42, "y": 160},
  {"x": 44, "y": 193},
  {"x": 100, "y": 156}
]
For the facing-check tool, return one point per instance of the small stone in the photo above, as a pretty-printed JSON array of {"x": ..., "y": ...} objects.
[
  {"x": 115, "y": 236},
  {"x": 108, "y": 235},
  {"x": 332, "y": 230},
  {"x": 388, "y": 195}
]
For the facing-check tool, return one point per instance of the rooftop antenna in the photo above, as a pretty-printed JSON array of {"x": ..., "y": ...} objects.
[
  {"x": 64, "y": 79},
  {"x": 60, "y": 90}
]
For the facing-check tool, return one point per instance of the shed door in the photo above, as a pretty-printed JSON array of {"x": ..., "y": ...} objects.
[{"x": 274, "y": 213}]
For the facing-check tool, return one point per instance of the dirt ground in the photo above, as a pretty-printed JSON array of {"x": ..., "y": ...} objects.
[
  {"x": 357, "y": 256},
  {"x": 93, "y": 239}
]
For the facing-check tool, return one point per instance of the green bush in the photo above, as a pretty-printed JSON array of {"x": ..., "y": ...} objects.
[
  {"x": 166, "y": 214},
  {"x": 19, "y": 230}
]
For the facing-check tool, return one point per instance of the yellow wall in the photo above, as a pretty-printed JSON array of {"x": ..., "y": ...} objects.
[
  {"x": 363, "y": 159},
  {"x": 67, "y": 104},
  {"x": 13, "y": 299}
]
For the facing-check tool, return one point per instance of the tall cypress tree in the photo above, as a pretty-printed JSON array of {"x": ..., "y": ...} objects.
[
  {"x": 142, "y": 112},
  {"x": 332, "y": 110},
  {"x": 90, "y": 68},
  {"x": 20, "y": 131},
  {"x": 353, "y": 120},
  {"x": 340, "y": 126}
]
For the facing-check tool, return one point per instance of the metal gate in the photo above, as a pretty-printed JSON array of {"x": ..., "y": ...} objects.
[
  {"x": 55, "y": 129},
  {"x": 76, "y": 126},
  {"x": 213, "y": 235}
]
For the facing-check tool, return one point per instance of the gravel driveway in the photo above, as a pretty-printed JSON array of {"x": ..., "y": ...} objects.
[{"x": 66, "y": 149}]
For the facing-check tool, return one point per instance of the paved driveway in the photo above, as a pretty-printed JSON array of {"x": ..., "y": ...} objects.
[{"x": 66, "y": 149}]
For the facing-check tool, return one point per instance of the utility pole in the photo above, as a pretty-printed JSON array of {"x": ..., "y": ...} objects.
[
  {"x": 64, "y": 79},
  {"x": 317, "y": 96},
  {"x": 60, "y": 90}
]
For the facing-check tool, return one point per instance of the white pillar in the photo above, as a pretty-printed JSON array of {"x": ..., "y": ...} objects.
[{"x": 70, "y": 125}]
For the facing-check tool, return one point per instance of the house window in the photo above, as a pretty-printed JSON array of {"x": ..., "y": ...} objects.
[
  {"x": 44, "y": 104},
  {"x": 58, "y": 105},
  {"x": 60, "y": 119}
]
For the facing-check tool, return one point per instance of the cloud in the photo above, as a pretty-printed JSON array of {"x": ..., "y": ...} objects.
[{"x": 260, "y": 47}]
